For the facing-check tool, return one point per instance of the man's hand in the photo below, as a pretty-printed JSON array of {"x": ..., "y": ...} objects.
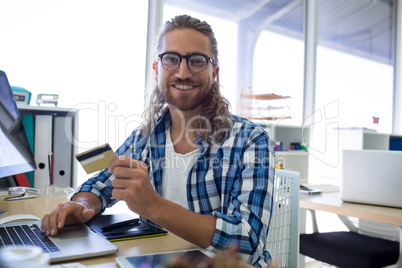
[
  {"x": 83, "y": 207},
  {"x": 132, "y": 185},
  {"x": 65, "y": 213}
]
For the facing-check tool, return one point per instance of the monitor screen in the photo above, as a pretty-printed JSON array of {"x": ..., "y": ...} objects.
[{"x": 15, "y": 153}]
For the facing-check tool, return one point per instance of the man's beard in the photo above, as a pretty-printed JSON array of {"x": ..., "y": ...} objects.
[{"x": 185, "y": 102}]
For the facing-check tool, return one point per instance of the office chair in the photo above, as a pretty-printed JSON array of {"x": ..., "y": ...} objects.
[
  {"x": 367, "y": 244},
  {"x": 283, "y": 234}
]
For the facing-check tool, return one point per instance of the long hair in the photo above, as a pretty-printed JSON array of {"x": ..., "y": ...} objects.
[{"x": 215, "y": 116}]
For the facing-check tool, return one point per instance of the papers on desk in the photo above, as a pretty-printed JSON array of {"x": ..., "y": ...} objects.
[
  {"x": 325, "y": 188},
  {"x": 310, "y": 191}
]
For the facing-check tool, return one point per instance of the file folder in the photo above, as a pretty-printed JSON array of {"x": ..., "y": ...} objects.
[
  {"x": 62, "y": 150},
  {"x": 43, "y": 149},
  {"x": 22, "y": 180},
  {"x": 28, "y": 123}
]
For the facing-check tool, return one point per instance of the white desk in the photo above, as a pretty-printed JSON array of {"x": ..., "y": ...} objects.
[{"x": 331, "y": 202}]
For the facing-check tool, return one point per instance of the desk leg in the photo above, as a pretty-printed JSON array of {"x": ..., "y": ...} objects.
[
  {"x": 302, "y": 228},
  {"x": 399, "y": 262}
]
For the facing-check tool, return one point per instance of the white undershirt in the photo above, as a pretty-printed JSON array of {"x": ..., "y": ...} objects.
[{"x": 175, "y": 173}]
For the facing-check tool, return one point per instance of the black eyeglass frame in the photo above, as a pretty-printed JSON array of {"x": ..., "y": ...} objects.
[{"x": 208, "y": 59}]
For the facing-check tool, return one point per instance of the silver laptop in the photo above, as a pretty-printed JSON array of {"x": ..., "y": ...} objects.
[
  {"x": 71, "y": 243},
  {"x": 372, "y": 177}
]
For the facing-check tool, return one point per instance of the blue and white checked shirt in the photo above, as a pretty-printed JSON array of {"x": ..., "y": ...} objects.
[{"x": 232, "y": 181}]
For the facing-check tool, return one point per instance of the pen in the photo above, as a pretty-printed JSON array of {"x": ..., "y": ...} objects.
[{"x": 116, "y": 225}]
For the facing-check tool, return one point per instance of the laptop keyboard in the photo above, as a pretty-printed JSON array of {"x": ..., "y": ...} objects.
[{"x": 24, "y": 234}]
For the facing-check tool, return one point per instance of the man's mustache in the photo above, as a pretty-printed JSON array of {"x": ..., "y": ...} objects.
[{"x": 183, "y": 81}]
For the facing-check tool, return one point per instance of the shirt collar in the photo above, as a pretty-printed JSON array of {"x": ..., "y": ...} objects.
[{"x": 162, "y": 125}]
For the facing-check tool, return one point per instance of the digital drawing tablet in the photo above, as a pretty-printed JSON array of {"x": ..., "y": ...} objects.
[{"x": 140, "y": 230}]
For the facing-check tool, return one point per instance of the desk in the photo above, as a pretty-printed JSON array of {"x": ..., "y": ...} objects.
[
  {"x": 331, "y": 202},
  {"x": 41, "y": 205}
]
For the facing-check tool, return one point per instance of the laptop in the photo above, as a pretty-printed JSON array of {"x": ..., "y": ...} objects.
[
  {"x": 372, "y": 177},
  {"x": 71, "y": 242}
]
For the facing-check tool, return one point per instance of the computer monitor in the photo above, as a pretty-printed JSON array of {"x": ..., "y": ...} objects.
[{"x": 15, "y": 153}]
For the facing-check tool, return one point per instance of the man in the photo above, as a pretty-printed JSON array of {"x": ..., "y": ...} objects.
[{"x": 221, "y": 193}]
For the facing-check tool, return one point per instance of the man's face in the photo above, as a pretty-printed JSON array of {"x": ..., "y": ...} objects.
[{"x": 183, "y": 88}]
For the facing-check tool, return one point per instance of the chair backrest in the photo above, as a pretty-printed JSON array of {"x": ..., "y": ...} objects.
[
  {"x": 283, "y": 234},
  {"x": 371, "y": 228}
]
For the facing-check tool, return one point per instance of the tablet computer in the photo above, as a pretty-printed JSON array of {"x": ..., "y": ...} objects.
[{"x": 166, "y": 259}]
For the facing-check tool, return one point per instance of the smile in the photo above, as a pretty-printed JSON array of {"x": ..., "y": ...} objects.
[{"x": 184, "y": 87}]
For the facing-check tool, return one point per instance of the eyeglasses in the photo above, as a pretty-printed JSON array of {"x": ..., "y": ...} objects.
[{"x": 196, "y": 62}]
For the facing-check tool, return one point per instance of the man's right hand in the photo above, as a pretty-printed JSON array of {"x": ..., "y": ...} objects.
[{"x": 80, "y": 210}]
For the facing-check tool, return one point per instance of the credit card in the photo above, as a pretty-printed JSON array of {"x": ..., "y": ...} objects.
[{"x": 96, "y": 158}]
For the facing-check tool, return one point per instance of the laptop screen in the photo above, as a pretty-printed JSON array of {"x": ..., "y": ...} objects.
[{"x": 15, "y": 153}]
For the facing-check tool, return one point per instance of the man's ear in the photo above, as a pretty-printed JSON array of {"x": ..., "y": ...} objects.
[
  {"x": 215, "y": 72},
  {"x": 155, "y": 68}
]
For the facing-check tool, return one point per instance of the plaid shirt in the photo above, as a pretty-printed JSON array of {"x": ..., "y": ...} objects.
[{"x": 232, "y": 181}]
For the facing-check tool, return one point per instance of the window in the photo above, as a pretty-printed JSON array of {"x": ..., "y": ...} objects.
[
  {"x": 354, "y": 61},
  {"x": 354, "y": 77},
  {"x": 279, "y": 63}
]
